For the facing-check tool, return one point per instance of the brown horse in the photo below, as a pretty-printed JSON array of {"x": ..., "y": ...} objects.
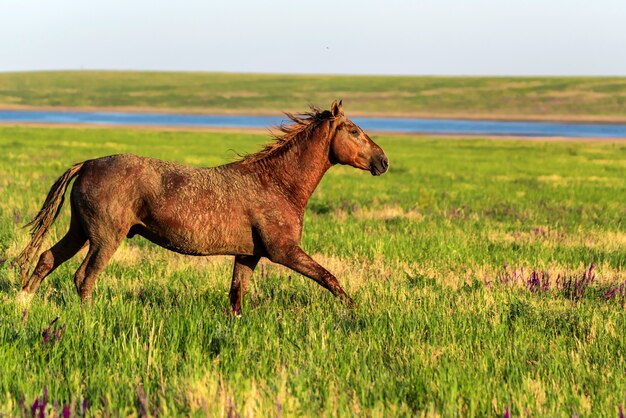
[{"x": 250, "y": 208}]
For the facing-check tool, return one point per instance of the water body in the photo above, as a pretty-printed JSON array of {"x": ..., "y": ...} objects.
[{"x": 428, "y": 126}]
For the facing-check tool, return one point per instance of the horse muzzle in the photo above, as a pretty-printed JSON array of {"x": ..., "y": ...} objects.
[{"x": 379, "y": 165}]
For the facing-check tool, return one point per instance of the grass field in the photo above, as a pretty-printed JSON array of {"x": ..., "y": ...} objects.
[
  {"x": 456, "y": 258},
  {"x": 583, "y": 98}
]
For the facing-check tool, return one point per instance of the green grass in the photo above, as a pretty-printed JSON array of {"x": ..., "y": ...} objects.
[
  {"x": 437, "y": 330},
  {"x": 519, "y": 97}
]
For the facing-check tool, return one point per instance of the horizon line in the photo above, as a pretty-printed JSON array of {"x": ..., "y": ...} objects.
[{"x": 332, "y": 74}]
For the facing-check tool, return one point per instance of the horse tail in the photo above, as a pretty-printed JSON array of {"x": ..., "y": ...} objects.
[{"x": 43, "y": 220}]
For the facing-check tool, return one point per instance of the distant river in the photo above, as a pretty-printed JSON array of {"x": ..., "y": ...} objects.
[{"x": 428, "y": 126}]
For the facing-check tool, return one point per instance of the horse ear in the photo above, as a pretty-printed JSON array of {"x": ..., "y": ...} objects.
[{"x": 336, "y": 109}]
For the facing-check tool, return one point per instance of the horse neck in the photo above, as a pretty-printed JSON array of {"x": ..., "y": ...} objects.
[{"x": 300, "y": 168}]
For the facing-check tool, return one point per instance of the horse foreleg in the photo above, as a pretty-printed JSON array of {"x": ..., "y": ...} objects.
[
  {"x": 296, "y": 259},
  {"x": 244, "y": 266}
]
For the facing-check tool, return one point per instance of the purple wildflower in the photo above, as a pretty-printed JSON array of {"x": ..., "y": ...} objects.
[
  {"x": 614, "y": 292},
  {"x": 142, "y": 402},
  {"x": 545, "y": 282},
  {"x": 621, "y": 411},
  {"x": 44, "y": 402},
  {"x": 34, "y": 407},
  {"x": 232, "y": 413},
  {"x": 575, "y": 287},
  {"x": 16, "y": 216},
  {"x": 58, "y": 332},
  {"x": 507, "y": 413},
  {"x": 66, "y": 411},
  {"x": 84, "y": 406},
  {"x": 279, "y": 408},
  {"x": 533, "y": 282},
  {"x": 52, "y": 333},
  {"x": 611, "y": 293},
  {"x": 23, "y": 408},
  {"x": 38, "y": 407}
]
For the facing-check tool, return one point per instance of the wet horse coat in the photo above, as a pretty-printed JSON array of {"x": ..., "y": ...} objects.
[{"x": 250, "y": 208}]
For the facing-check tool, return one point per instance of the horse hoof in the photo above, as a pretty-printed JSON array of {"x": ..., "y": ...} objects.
[{"x": 24, "y": 298}]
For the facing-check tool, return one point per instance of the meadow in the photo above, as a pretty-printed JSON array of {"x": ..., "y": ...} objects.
[
  {"x": 489, "y": 277},
  {"x": 557, "y": 98}
]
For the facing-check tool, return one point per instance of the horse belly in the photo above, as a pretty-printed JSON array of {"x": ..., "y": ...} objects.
[{"x": 203, "y": 234}]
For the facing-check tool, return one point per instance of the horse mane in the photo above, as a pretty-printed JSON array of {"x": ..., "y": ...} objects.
[{"x": 287, "y": 134}]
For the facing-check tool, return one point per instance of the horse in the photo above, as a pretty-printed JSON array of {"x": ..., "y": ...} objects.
[{"x": 250, "y": 208}]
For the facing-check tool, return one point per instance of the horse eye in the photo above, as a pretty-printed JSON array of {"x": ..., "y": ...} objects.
[{"x": 354, "y": 132}]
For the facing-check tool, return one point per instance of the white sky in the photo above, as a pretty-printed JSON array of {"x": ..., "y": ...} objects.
[{"x": 452, "y": 37}]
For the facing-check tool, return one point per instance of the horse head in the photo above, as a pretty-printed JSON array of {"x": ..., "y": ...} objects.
[{"x": 350, "y": 145}]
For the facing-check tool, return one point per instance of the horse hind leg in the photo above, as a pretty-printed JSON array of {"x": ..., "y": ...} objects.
[
  {"x": 244, "y": 266},
  {"x": 99, "y": 254},
  {"x": 66, "y": 248}
]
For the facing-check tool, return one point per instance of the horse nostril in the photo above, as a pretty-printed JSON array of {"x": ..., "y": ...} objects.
[{"x": 384, "y": 162}]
